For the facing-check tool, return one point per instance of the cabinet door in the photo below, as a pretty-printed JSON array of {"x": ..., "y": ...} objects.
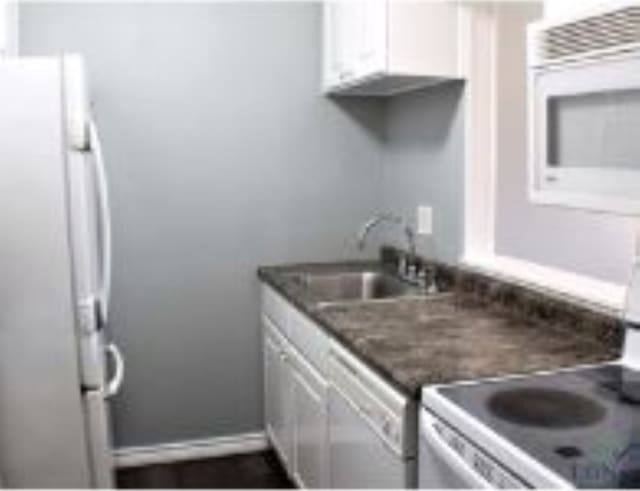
[
  {"x": 310, "y": 434},
  {"x": 8, "y": 28},
  {"x": 3, "y": 26},
  {"x": 272, "y": 411},
  {"x": 278, "y": 398},
  {"x": 372, "y": 45},
  {"x": 332, "y": 55},
  {"x": 343, "y": 39},
  {"x": 355, "y": 44}
]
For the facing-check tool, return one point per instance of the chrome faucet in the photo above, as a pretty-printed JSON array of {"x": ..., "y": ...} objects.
[
  {"x": 409, "y": 266},
  {"x": 389, "y": 218}
]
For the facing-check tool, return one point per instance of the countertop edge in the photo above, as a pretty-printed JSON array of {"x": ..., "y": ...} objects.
[{"x": 264, "y": 275}]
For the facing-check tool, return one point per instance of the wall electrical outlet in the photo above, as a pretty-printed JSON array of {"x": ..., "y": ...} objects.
[{"x": 425, "y": 220}]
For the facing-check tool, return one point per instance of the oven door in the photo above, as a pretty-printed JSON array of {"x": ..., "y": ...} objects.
[
  {"x": 447, "y": 460},
  {"x": 438, "y": 465},
  {"x": 584, "y": 126}
]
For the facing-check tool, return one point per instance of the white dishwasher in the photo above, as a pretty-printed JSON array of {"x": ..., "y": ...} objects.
[{"x": 372, "y": 428}]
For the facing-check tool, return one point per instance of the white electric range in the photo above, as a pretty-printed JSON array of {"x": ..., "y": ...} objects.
[{"x": 574, "y": 428}]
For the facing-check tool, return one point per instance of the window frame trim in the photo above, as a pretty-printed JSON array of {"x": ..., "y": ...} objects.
[{"x": 479, "y": 42}]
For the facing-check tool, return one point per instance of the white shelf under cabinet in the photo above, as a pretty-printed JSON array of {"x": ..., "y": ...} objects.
[{"x": 384, "y": 47}]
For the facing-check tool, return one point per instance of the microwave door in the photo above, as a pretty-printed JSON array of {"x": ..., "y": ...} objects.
[{"x": 584, "y": 152}]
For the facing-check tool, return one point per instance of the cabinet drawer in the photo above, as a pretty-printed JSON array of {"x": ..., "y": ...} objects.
[
  {"x": 309, "y": 339},
  {"x": 276, "y": 308}
]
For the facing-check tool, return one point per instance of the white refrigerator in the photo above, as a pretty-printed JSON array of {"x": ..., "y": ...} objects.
[{"x": 57, "y": 371}]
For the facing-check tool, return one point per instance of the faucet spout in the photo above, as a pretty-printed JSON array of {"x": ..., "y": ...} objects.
[{"x": 370, "y": 224}]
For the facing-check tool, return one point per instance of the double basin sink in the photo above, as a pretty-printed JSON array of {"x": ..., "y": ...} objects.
[{"x": 354, "y": 286}]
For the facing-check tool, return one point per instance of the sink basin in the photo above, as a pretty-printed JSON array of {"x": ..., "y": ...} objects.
[{"x": 354, "y": 286}]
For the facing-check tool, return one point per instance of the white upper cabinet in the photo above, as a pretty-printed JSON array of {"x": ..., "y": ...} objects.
[
  {"x": 4, "y": 18},
  {"x": 8, "y": 27},
  {"x": 383, "y": 47}
]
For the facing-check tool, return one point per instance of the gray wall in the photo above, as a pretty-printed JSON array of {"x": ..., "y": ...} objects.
[
  {"x": 222, "y": 156},
  {"x": 424, "y": 164}
]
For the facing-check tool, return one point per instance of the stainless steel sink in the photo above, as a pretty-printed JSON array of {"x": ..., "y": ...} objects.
[{"x": 354, "y": 286}]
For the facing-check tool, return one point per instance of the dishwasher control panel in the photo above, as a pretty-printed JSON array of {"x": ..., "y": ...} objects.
[{"x": 481, "y": 463}]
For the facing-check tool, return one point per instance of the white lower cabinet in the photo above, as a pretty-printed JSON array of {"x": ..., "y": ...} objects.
[
  {"x": 278, "y": 394},
  {"x": 333, "y": 422},
  {"x": 296, "y": 397},
  {"x": 310, "y": 427}
]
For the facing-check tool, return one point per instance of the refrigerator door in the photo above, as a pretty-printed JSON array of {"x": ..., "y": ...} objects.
[
  {"x": 98, "y": 429},
  {"x": 90, "y": 193},
  {"x": 91, "y": 235},
  {"x": 42, "y": 432},
  {"x": 76, "y": 101},
  {"x": 84, "y": 236},
  {"x": 91, "y": 216},
  {"x": 85, "y": 230}
]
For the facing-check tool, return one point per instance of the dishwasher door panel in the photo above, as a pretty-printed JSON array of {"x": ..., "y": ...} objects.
[{"x": 358, "y": 457}]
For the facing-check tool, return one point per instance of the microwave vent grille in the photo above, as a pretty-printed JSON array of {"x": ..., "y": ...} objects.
[{"x": 609, "y": 31}]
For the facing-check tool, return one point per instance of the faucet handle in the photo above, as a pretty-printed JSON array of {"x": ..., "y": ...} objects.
[
  {"x": 403, "y": 265},
  {"x": 413, "y": 270},
  {"x": 427, "y": 279}
]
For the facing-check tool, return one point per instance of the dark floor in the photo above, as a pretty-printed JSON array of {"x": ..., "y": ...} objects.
[{"x": 259, "y": 470}]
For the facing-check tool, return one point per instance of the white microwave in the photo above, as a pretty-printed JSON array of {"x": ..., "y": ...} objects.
[{"x": 584, "y": 110}]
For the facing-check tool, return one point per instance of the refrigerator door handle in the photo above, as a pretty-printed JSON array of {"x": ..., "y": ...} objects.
[
  {"x": 113, "y": 386},
  {"x": 105, "y": 223}
]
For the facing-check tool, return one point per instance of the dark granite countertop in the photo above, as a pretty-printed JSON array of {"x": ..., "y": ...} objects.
[{"x": 458, "y": 335}]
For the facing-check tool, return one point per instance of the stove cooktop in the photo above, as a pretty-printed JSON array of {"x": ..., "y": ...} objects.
[{"x": 583, "y": 424}]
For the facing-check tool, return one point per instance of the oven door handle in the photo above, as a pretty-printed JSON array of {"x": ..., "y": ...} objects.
[{"x": 437, "y": 444}]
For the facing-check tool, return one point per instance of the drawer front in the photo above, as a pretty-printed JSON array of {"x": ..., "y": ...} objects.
[
  {"x": 310, "y": 340},
  {"x": 276, "y": 308}
]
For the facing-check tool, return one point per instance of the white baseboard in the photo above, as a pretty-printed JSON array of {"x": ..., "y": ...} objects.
[{"x": 190, "y": 450}]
